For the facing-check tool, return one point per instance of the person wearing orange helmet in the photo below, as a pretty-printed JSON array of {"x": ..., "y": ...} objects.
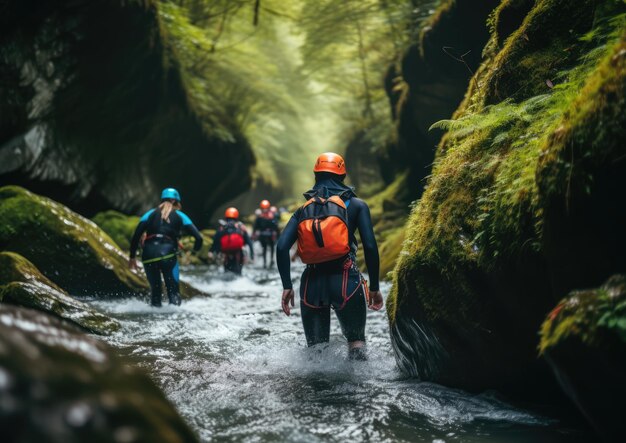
[
  {"x": 229, "y": 240},
  {"x": 266, "y": 231},
  {"x": 325, "y": 229}
]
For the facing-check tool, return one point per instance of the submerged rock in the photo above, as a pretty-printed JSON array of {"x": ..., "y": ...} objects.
[
  {"x": 67, "y": 248},
  {"x": 22, "y": 284},
  {"x": 60, "y": 385},
  {"x": 584, "y": 340},
  {"x": 523, "y": 202}
]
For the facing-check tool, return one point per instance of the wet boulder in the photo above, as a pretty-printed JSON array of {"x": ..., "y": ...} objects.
[
  {"x": 22, "y": 284},
  {"x": 58, "y": 384},
  {"x": 66, "y": 247},
  {"x": 584, "y": 341}
]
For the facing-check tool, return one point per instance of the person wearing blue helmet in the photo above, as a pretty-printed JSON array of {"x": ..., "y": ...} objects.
[{"x": 163, "y": 226}]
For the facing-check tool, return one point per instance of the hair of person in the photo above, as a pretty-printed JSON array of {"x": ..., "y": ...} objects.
[
  {"x": 167, "y": 206},
  {"x": 329, "y": 175}
]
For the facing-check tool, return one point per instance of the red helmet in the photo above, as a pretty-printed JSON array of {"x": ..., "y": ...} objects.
[
  {"x": 265, "y": 204},
  {"x": 330, "y": 162},
  {"x": 231, "y": 213}
]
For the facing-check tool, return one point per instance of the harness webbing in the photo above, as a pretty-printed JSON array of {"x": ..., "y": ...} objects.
[{"x": 165, "y": 257}]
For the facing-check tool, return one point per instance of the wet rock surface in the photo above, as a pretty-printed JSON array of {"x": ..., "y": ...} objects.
[
  {"x": 22, "y": 284},
  {"x": 59, "y": 385},
  {"x": 67, "y": 248},
  {"x": 583, "y": 339}
]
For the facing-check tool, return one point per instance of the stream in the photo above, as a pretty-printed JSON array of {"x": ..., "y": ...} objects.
[{"x": 237, "y": 370}]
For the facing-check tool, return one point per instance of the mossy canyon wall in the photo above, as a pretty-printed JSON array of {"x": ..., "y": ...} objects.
[{"x": 524, "y": 201}]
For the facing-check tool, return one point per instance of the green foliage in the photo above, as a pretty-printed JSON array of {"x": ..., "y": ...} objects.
[
  {"x": 119, "y": 226},
  {"x": 297, "y": 78},
  {"x": 504, "y": 156}
]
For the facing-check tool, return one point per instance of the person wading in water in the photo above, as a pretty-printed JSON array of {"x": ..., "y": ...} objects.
[
  {"x": 229, "y": 240},
  {"x": 163, "y": 226},
  {"x": 325, "y": 228},
  {"x": 266, "y": 231}
]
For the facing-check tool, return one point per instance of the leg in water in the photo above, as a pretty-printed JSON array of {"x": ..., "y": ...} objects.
[
  {"x": 316, "y": 322},
  {"x": 153, "y": 272},
  {"x": 171, "y": 276},
  {"x": 352, "y": 318},
  {"x": 233, "y": 263}
]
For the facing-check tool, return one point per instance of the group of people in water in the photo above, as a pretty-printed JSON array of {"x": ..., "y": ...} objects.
[{"x": 324, "y": 228}]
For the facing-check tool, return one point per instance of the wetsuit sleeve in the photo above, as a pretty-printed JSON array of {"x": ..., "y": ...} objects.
[
  {"x": 285, "y": 242},
  {"x": 139, "y": 230},
  {"x": 370, "y": 248},
  {"x": 246, "y": 239}
]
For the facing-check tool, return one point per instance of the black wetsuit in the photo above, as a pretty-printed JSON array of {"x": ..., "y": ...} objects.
[
  {"x": 267, "y": 230},
  {"x": 322, "y": 286},
  {"x": 233, "y": 261},
  {"x": 160, "y": 248}
]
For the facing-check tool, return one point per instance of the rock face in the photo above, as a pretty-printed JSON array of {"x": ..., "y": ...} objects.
[
  {"x": 428, "y": 85},
  {"x": 521, "y": 205},
  {"x": 583, "y": 339},
  {"x": 67, "y": 248},
  {"x": 60, "y": 385},
  {"x": 96, "y": 114},
  {"x": 22, "y": 284}
]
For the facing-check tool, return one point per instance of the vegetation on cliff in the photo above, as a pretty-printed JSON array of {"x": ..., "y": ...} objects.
[{"x": 520, "y": 191}]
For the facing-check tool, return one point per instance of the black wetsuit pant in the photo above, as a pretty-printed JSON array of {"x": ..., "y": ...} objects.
[
  {"x": 267, "y": 241},
  {"x": 233, "y": 262},
  {"x": 344, "y": 292},
  {"x": 169, "y": 269}
]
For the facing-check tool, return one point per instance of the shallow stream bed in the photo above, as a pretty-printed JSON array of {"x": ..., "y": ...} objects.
[{"x": 237, "y": 370}]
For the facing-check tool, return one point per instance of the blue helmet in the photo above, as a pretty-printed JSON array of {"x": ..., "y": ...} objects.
[{"x": 170, "y": 193}]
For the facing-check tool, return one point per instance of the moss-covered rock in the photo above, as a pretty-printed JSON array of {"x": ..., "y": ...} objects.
[
  {"x": 59, "y": 384},
  {"x": 189, "y": 256},
  {"x": 22, "y": 284},
  {"x": 67, "y": 248},
  {"x": 521, "y": 206},
  {"x": 120, "y": 227},
  {"x": 584, "y": 340}
]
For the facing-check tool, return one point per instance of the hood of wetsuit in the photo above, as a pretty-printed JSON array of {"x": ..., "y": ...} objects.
[{"x": 327, "y": 186}]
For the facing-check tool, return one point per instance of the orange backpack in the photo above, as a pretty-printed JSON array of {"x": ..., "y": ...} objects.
[{"x": 323, "y": 230}]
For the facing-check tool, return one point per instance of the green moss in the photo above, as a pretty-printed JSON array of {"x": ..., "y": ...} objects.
[
  {"x": 22, "y": 284},
  {"x": 506, "y": 153},
  {"x": 67, "y": 248},
  {"x": 14, "y": 267},
  {"x": 120, "y": 227},
  {"x": 189, "y": 256},
  {"x": 588, "y": 315}
]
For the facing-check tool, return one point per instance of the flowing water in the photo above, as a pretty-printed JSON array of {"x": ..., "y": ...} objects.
[{"x": 237, "y": 369}]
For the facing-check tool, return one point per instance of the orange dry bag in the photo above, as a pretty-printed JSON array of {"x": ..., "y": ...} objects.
[{"x": 323, "y": 230}]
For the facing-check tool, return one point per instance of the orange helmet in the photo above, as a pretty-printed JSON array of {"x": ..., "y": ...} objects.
[
  {"x": 265, "y": 204},
  {"x": 330, "y": 162},
  {"x": 231, "y": 213}
]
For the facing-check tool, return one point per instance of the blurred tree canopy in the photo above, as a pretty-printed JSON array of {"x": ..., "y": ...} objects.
[{"x": 296, "y": 77}]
